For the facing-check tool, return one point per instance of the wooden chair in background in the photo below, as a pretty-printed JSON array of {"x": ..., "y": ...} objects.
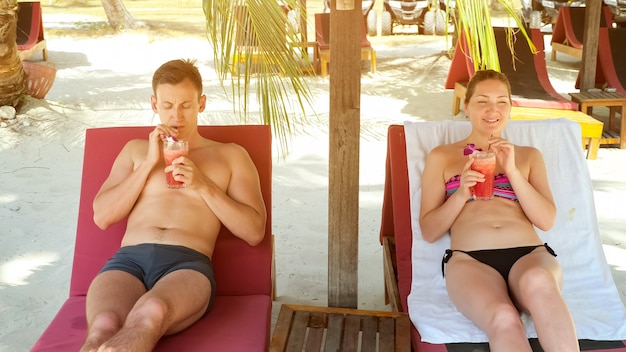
[
  {"x": 527, "y": 72},
  {"x": 322, "y": 35},
  {"x": 30, "y": 38},
  {"x": 567, "y": 36}
]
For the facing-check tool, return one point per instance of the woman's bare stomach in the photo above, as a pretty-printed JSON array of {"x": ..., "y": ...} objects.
[{"x": 492, "y": 225}]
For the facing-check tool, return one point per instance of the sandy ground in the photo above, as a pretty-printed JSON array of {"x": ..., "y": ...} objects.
[{"x": 106, "y": 82}]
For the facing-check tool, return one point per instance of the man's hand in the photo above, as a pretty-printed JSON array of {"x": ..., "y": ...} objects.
[{"x": 154, "y": 142}]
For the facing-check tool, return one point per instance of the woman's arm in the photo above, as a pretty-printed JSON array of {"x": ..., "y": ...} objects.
[
  {"x": 533, "y": 193},
  {"x": 437, "y": 215}
]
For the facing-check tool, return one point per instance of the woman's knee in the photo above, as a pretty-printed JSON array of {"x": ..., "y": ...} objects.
[
  {"x": 536, "y": 287},
  {"x": 505, "y": 318},
  {"x": 538, "y": 279}
]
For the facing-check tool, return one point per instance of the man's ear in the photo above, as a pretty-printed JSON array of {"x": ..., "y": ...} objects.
[
  {"x": 202, "y": 103},
  {"x": 153, "y": 103}
]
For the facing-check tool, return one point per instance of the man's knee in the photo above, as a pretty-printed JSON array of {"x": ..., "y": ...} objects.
[
  {"x": 151, "y": 313},
  {"x": 102, "y": 327},
  {"x": 106, "y": 323}
]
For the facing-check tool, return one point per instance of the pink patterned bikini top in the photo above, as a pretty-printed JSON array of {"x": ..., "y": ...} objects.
[{"x": 501, "y": 187}]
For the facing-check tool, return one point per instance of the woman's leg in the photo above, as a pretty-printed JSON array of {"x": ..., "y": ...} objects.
[
  {"x": 535, "y": 283},
  {"x": 480, "y": 293}
]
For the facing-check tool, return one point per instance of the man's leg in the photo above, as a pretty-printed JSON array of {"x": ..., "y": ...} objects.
[
  {"x": 177, "y": 301},
  {"x": 111, "y": 295}
]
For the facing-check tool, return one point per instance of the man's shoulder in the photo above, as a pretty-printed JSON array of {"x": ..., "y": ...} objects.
[
  {"x": 228, "y": 148},
  {"x": 134, "y": 146}
]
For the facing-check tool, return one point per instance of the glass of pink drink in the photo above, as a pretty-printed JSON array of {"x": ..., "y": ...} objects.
[
  {"x": 485, "y": 163},
  {"x": 171, "y": 150}
]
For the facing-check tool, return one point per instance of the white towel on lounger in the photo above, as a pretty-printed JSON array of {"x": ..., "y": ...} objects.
[{"x": 589, "y": 289}]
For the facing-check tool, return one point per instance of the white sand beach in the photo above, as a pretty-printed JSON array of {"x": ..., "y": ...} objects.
[{"x": 105, "y": 81}]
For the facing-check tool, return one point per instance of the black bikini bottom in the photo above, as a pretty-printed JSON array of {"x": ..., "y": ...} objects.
[{"x": 501, "y": 259}]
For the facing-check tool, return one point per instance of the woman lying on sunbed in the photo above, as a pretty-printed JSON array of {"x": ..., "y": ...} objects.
[{"x": 497, "y": 265}]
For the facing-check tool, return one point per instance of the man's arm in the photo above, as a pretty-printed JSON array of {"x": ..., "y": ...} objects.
[
  {"x": 241, "y": 208},
  {"x": 120, "y": 190}
]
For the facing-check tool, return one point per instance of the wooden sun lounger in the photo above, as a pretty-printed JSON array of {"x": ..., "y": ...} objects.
[
  {"x": 528, "y": 74},
  {"x": 567, "y": 36},
  {"x": 611, "y": 69},
  {"x": 241, "y": 314},
  {"x": 30, "y": 37},
  {"x": 396, "y": 237},
  {"x": 322, "y": 35}
]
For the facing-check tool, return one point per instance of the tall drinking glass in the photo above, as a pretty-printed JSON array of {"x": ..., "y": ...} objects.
[
  {"x": 171, "y": 150},
  {"x": 485, "y": 163}
]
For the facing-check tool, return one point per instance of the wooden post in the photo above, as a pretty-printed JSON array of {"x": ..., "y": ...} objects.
[
  {"x": 344, "y": 131},
  {"x": 590, "y": 45},
  {"x": 345, "y": 4}
]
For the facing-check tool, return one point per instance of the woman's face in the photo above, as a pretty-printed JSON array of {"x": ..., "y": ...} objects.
[{"x": 489, "y": 109}]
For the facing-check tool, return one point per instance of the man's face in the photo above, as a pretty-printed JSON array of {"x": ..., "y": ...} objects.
[{"x": 178, "y": 105}]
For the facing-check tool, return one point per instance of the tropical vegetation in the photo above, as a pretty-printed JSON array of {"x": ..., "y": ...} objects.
[
  {"x": 473, "y": 21},
  {"x": 252, "y": 38},
  {"x": 257, "y": 47}
]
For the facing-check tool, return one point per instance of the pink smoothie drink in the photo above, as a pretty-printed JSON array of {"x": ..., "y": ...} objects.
[
  {"x": 485, "y": 163},
  {"x": 171, "y": 151}
]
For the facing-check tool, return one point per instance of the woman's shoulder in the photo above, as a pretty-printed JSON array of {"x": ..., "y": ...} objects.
[
  {"x": 528, "y": 155},
  {"x": 446, "y": 149},
  {"x": 447, "y": 152},
  {"x": 527, "y": 150}
]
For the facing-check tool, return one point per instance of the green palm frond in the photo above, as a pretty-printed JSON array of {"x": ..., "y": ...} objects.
[
  {"x": 474, "y": 22},
  {"x": 257, "y": 45}
]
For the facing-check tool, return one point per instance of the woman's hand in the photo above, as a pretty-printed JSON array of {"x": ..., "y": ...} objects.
[
  {"x": 505, "y": 153},
  {"x": 468, "y": 180}
]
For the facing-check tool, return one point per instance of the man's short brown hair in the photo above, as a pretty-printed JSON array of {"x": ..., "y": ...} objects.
[{"x": 175, "y": 71}]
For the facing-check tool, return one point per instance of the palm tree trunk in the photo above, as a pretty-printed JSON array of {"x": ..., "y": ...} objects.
[
  {"x": 12, "y": 80},
  {"x": 118, "y": 15}
]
